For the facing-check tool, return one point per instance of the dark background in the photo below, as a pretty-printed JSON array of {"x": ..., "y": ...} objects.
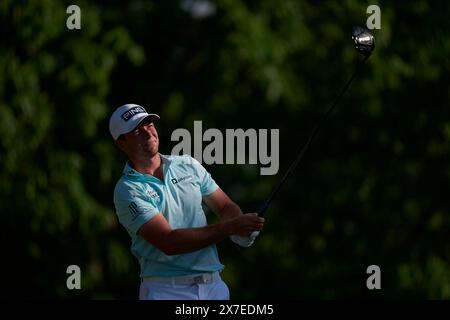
[{"x": 373, "y": 190}]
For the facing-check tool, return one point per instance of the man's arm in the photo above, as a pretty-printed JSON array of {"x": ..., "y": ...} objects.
[
  {"x": 222, "y": 205},
  {"x": 159, "y": 233},
  {"x": 226, "y": 209}
]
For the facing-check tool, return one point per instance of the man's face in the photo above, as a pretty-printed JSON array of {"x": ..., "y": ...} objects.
[{"x": 142, "y": 141}]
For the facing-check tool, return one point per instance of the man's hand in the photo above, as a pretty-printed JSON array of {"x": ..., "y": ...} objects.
[
  {"x": 243, "y": 224},
  {"x": 241, "y": 228}
]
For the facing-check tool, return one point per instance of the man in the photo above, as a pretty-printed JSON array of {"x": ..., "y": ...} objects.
[{"x": 159, "y": 202}]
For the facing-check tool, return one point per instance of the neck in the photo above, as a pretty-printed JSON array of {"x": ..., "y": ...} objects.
[{"x": 148, "y": 165}]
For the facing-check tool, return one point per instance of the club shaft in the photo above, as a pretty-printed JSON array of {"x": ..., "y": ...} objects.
[{"x": 265, "y": 206}]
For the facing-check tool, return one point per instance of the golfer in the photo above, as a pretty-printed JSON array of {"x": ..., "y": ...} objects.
[{"x": 159, "y": 202}]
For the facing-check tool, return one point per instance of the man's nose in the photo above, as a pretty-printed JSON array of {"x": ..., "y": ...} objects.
[{"x": 148, "y": 131}]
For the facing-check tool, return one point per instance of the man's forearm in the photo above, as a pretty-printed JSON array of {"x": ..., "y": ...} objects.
[
  {"x": 229, "y": 211},
  {"x": 186, "y": 240}
]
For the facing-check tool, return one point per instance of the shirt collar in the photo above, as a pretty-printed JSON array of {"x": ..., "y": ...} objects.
[{"x": 130, "y": 171}]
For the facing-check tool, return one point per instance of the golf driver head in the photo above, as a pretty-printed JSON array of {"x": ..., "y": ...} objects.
[{"x": 363, "y": 40}]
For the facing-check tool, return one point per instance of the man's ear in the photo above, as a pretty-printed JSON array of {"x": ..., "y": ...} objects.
[{"x": 121, "y": 144}]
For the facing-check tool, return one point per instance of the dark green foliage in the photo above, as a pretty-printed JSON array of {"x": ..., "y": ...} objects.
[{"x": 373, "y": 190}]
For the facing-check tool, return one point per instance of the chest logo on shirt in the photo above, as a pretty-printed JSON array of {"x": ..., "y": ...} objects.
[
  {"x": 153, "y": 194},
  {"x": 178, "y": 180}
]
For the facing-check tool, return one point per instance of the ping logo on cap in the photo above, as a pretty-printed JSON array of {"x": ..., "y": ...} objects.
[{"x": 127, "y": 115}]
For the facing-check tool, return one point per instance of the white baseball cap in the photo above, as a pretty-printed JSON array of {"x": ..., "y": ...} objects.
[{"x": 126, "y": 118}]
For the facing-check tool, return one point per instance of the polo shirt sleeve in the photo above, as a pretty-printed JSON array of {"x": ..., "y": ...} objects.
[
  {"x": 207, "y": 183},
  {"x": 132, "y": 207}
]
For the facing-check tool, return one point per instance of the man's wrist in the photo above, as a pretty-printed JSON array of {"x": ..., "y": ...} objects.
[{"x": 224, "y": 228}]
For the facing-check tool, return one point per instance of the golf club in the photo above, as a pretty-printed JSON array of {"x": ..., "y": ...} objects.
[{"x": 365, "y": 44}]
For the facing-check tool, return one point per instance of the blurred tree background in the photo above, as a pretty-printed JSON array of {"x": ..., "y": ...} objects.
[{"x": 373, "y": 190}]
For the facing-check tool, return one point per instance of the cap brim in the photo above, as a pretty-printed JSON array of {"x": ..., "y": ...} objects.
[
  {"x": 153, "y": 116},
  {"x": 135, "y": 123}
]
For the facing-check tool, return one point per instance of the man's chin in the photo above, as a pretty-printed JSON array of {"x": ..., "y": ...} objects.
[{"x": 151, "y": 152}]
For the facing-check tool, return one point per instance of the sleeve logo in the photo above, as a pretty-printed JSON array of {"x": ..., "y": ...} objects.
[{"x": 134, "y": 211}]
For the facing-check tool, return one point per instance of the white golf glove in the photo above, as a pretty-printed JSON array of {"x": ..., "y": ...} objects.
[{"x": 244, "y": 241}]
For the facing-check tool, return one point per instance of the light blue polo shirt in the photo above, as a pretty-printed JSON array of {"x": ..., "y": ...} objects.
[{"x": 138, "y": 197}]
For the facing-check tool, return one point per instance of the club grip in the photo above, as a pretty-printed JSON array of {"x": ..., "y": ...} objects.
[{"x": 262, "y": 211}]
